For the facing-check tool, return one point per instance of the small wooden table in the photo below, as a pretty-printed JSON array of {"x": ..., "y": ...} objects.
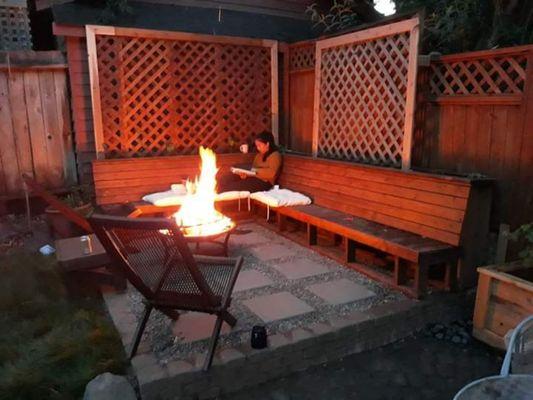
[
  {"x": 70, "y": 255},
  {"x": 71, "y": 258}
]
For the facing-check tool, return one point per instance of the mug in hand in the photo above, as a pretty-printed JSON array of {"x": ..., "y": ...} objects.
[{"x": 244, "y": 148}]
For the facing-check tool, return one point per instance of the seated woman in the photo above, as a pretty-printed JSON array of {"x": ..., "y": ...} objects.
[{"x": 267, "y": 165}]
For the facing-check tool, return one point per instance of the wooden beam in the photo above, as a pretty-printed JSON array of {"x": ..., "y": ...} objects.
[
  {"x": 274, "y": 72},
  {"x": 488, "y": 99},
  {"x": 285, "y": 50},
  {"x": 183, "y": 36},
  {"x": 491, "y": 53},
  {"x": 95, "y": 92},
  {"x": 410, "y": 101},
  {"x": 68, "y": 30},
  {"x": 316, "y": 104},
  {"x": 370, "y": 34}
]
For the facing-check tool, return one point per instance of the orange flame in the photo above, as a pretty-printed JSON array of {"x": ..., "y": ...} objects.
[{"x": 197, "y": 215}]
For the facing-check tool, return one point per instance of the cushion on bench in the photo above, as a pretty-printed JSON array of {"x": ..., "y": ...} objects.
[
  {"x": 173, "y": 198},
  {"x": 280, "y": 198}
]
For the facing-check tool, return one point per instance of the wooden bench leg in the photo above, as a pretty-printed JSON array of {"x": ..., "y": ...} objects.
[
  {"x": 450, "y": 279},
  {"x": 350, "y": 251},
  {"x": 282, "y": 221},
  {"x": 312, "y": 237},
  {"x": 421, "y": 280},
  {"x": 400, "y": 273}
]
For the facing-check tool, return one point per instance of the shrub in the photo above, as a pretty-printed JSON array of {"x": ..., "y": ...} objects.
[{"x": 50, "y": 345}]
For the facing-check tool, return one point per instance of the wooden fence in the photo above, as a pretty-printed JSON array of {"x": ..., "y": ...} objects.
[
  {"x": 474, "y": 116},
  {"x": 477, "y": 117},
  {"x": 35, "y": 128}
]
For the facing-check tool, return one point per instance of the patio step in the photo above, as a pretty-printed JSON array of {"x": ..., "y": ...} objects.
[{"x": 237, "y": 368}]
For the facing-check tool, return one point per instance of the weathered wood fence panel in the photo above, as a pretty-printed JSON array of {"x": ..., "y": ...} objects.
[
  {"x": 477, "y": 119},
  {"x": 35, "y": 128}
]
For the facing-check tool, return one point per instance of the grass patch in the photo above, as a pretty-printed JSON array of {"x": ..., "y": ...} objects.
[{"x": 50, "y": 345}]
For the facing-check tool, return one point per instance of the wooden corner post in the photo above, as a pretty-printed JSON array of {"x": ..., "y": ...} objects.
[
  {"x": 410, "y": 100},
  {"x": 316, "y": 97},
  {"x": 274, "y": 71},
  {"x": 90, "y": 32}
]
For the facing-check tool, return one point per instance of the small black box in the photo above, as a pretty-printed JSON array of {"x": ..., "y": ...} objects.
[{"x": 259, "y": 337}]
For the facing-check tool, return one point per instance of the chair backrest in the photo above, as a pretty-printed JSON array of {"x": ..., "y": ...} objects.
[
  {"x": 53, "y": 201},
  {"x": 148, "y": 250},
  {"x": 521, "y": 342}
]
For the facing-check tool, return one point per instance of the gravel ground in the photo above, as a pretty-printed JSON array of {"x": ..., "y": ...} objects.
[
  {"x": 167, "y": 346},
  {"x": 417, "y": 368}
]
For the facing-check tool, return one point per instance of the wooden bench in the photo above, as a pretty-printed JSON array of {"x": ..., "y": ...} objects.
[
  {"x": 420, "y": 219},
  {"x": 121, "y": 181}
]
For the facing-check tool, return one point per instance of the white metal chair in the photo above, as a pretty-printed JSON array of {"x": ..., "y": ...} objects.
[{"x": 506, "y": 385}]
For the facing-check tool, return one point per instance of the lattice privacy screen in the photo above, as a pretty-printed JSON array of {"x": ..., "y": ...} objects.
[
  {"x": 14, "y": 25},
  {"x": 363, "y": 96},
  {"x": 161, "y": 97},
  {"x": 482, "y": 76},
  {"x": 302, "y": 57}
]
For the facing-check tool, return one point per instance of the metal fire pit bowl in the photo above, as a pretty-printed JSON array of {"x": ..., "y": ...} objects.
[{"x": 213, "y": 239}]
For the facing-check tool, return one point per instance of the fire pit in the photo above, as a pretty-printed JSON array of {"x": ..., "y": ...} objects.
[{"x": 197, "y": 218}]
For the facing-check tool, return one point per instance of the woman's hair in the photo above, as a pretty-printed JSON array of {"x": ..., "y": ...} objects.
[{"x": 267, "y": 137}]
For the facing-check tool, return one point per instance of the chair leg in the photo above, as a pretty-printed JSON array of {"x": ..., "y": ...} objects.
[
  {"x": 230, "y": 319},
  {"x": 140, "y": 329},
  {"x": 171, "y": 313},
  {"x": 213, "y": 343}
]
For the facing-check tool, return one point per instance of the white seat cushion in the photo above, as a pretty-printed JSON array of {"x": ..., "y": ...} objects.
[
  {"x": 162, "y": 199},
  {"x": 232, "y": 195},
  {"x": 172, "y": 198},
  {"x": 281, "y": 198},
  {"x": 178, "y": 188}
]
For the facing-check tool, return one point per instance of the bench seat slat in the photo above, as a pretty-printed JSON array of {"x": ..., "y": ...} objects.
[{"x": 391, "y": 240}]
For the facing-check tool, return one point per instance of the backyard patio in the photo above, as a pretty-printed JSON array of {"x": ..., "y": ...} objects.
[{"x": 399, "y": 175}]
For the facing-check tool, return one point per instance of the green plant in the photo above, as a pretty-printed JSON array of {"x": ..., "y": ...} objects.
[
  {"x": 50, "y": 345},
  {"x": 78, "y": 195},
  {"x": 524, "y": 234}
]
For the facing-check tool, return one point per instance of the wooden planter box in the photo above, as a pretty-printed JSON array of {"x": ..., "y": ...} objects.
[{"x": 504, "y": 298}]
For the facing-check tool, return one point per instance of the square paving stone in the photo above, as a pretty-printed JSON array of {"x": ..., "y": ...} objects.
[
  {"x": 340, "y": 291},
  {"x": 194, "y": 326},
  {"x": 277, "y": 306},
  {"x": 251, "y": 279},
  {"x": 272, "y": 251},
  {"x": 248, "y": 239},
  {"x": 301, "y": 268}
]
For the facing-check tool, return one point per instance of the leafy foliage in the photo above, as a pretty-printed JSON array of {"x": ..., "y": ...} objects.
[
  {"x": 524, "y": 234},
  {"x": 450, "y": 25},
  {"x": 340, "y": 16},
  {"x": 462, "y": 25},
  {"x": 50, "y": 346}
]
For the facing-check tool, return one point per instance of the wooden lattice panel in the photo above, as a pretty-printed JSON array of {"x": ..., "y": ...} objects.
[
  {"x": 161, "y": 96},
  {"x": 14, "y": 26},
  {"x": 363, "y": 94},
  {"x": 302, "y": 57},
  {"x": 482, "y": 76}
]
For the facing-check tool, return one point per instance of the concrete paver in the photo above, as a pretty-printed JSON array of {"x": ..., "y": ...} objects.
[
  {"x": 277, "y": 306},
  {"x": 340, "y": 291},
  {"x": 301, "y": 268}
]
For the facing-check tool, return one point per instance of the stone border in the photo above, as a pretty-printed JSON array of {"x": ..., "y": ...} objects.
[{"x": 236, "y": 368}]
